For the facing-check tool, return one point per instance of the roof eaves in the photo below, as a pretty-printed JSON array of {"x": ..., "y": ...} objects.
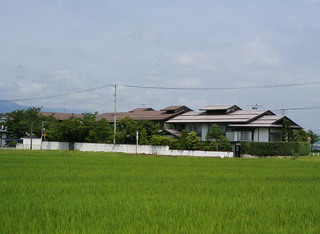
[{"x": 259, "y": 116}]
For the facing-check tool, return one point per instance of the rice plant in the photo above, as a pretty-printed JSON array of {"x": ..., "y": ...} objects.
[{"x": 73, "y": 192}]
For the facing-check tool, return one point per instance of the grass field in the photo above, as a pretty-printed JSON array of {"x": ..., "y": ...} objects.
[{"x": 77, "y": 192}]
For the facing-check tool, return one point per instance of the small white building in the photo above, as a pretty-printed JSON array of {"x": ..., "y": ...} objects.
[{"x": 237, "y": 124}]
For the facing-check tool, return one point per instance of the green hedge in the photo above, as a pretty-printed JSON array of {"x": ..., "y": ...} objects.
[{"x": 275, "y": 148}]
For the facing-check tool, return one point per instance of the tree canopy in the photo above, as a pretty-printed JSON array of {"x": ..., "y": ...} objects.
[{"x": 20, "y": 122}]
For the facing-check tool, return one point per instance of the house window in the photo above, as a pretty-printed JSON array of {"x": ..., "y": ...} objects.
[
  {"x": 275, "y": 136},
  {"x": 230, "y": 135},
  {"x": 194, "y": 127},
  {"x": 223, "y": 128},
  {"x": 245, "y": 136}
]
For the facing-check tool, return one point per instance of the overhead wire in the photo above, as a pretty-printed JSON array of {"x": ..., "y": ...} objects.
[
  {"x": 58, "y": 95},
  {"x": 168, "y": 88},
  {"x": 223, "y": 88},
  {"x": 299, "y": 108}
]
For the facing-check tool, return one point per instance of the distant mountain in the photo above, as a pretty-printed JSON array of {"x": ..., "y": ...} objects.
[
  {"x": 8, "y": 106},
  {"x": 63, "y": 110}
]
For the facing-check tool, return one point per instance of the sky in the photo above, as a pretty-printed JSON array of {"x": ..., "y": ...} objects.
[{"x": 56, "y": 47}]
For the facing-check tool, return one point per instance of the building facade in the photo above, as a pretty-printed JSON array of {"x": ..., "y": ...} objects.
[{"x": 235, "y": 123}]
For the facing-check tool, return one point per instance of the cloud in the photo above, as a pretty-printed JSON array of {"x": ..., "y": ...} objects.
[
  {"x": 188, "y": 82},
  {"x": 188, "y": 59},
  {"x": 29, "y": 89},
  {"x": 257, "y": 52},
  {"x": 313, "y": 1}
]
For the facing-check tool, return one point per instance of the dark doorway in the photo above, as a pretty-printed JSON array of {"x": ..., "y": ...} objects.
[{"x": 237, "y": 150}]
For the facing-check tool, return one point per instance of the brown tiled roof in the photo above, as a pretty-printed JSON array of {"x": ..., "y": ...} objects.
[
  {"x": 173, "y": 132},
  {"x": 142, "y": 114},
  {"x": 61, "y": 116},
  {"x": 268, "y": 121},
  {"x": 220, "y": 107},
  {"x": 142, "y": 109},
  {"x": 239, "y": 116},
  {"x": 172, "y": 108}
]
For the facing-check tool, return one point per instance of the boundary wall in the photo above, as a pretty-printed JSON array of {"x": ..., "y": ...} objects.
[{"x": 123, "y": 148}]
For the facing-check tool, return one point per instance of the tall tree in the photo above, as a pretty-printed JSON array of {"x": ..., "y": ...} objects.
[
  {"x": 300, "y": 136},
  {"x": 143, "y": 139},
  {"x": 127, "y": 128},
  {"x": 314, "y": 137},
  {"x": 19, "y": 122},
  {"x": 100, "y": 133}
]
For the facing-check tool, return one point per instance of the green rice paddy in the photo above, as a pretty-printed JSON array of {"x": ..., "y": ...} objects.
[{"x": 78, "y": 192}]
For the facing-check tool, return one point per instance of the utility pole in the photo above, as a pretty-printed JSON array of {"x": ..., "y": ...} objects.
[
  {"x": 283, "y": 111},
  {"x": 115, "y": 115},
  {"x": 42, "y": 133},
  {"x": 255, "y": 107},
  {"x": 31, "y": 134},
  {"x": 137, "y": 141}
]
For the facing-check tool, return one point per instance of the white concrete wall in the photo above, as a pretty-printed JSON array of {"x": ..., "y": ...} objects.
[
  {"x": 35, "y": 141},
  {"x": 46, "y": 145},
  {"x": 131, "y": 149},
  {"x": 51, "y": 145},
  {"x": 27, "y": 146},
  {"x": 149, "y": 149}
]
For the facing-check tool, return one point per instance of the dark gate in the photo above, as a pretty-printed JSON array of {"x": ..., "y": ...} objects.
[{"x": 237, "y": 150}]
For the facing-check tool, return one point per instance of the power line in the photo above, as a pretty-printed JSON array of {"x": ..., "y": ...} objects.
[
  {"x": 224, "y": 88},
  {"x": 58, "y": 95},
  {"x": 298, "y": 108},
  {"x": 169, "y": 88}
]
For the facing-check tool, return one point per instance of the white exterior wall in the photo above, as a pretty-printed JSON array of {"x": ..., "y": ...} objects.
[
  {"x": 35, "y": 141},
  {"x": 46, "y": 145},
  {"x": 50, "y": 145},
  {"x": 149, "y": 149},
  {"x": 27, "y": 146},
  {"x": 131, "y": 149}
]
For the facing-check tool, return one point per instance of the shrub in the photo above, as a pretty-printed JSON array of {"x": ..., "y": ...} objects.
[
  {"x": 275, "y": 148},
  {"x": 224, "y": 144},
  {"x": 183, "y": 140},
  {"x": 162, "y": 140},
  {"x": 143, "y": 137},
  {"x": 212, "y": 146},
  {"x": 12, "y": 144},
  {"x": 192, "y": 141},
  {"x": 215, "y": 133},
  {"x": 174, "y": 144}
]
